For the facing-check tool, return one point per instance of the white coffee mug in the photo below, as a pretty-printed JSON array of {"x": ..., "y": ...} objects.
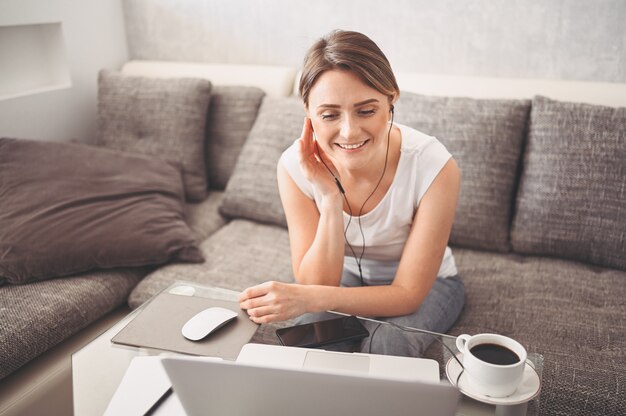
[{"x": 494, "y": 380}]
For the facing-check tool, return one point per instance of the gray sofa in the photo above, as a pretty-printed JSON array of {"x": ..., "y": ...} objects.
[{"x": 539, "y": 237}]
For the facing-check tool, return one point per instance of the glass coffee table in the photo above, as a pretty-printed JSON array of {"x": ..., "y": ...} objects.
[{"x": 98, "y": 368}]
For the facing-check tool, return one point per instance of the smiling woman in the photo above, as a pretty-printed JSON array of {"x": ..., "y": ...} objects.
[{"x": 388, "y": 258}]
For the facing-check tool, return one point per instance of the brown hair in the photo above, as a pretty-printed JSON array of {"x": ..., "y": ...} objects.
[{"x": 352, "y": 51}]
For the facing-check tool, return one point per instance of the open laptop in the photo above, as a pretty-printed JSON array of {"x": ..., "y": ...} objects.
[
  {"x": 376, "y": 365},
  {"x": 206, "y": 386}
]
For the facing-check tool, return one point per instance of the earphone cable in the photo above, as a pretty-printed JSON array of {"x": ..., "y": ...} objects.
[
  {"x": 435, "y": 335},
  {"x": 345, "y": 232},
  {"x": 375, "y": 188},
  {"x": 343, "y": 193}
]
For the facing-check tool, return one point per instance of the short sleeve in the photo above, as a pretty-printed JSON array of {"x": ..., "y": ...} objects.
[
  {"x": 432, "y": 159},
  {"x": 290, "y": 160}
]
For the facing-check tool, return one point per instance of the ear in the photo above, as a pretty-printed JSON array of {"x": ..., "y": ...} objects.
[{"x": 392, "y": 99}]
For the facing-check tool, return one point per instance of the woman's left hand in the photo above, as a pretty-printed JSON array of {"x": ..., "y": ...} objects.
[{"x": 274, "y": 301}]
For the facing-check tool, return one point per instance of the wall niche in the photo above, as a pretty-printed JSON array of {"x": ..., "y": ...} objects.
[{"x": 32, "y": 60}]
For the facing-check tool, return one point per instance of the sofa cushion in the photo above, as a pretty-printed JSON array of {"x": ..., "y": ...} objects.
[
  {"x": 68, "y": 208},
  {"x": 37, "y": 316},
  {"x": 569, "y": 312},
  {"x": 485, "y": 138},
  {"x": 232, "y": 113},
  {"x": 163, "y": 118},
  {"x": 252, "y": 191},
  {"x": 572, "y": 198},
  {"x": 241, "y": 254}
]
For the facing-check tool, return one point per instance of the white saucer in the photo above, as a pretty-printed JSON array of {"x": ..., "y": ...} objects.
[{"x": 528, "y": 388}]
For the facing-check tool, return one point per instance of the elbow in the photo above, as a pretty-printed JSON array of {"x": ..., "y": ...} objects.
[
  {"x": 410, "y": 303},
  {"x": 315, "y": 279},
  {"x": 410, "y": 308},
  {"x": 303, "y": 280}
]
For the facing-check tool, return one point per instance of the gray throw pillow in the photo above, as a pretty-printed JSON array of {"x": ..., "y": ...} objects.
[
  {"x": 485, "y": 138},
  {"x": 68, "y": 208},
  {"x": 232, "y": 114},
  {"x": 163, "y": 118},
  {"x": 252, "y": 192},
  {"x": 572, "y": 195}
]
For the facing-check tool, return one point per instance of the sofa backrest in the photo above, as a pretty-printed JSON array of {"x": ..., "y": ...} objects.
[
  {"x": 235, "y": 99},
  {"x": 485, "y": 138},
  {"x": 601, "y": 93},
  {"x": 569, "y": 194},
  {"x": 571, "y": 201},
  {"x": 485, "y": 123},
  {"x": 273, "y": 80}
]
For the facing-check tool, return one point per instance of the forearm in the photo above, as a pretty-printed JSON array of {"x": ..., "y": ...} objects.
[
  {"x": 388, "y": 300},
  {"x": 323, "y": 262}
]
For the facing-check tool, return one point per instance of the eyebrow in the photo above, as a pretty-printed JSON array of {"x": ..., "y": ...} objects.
[{"x": 360, "y": 103}]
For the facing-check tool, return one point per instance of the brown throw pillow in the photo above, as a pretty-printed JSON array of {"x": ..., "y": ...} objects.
[
  {"x": 68, "y": 208},
  {"x": 163, "y": 118},
  {"x": 572, "y": 195}
]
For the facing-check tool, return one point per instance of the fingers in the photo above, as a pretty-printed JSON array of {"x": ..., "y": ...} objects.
[
  {"x": 259, "y": 311},
  {"x": 266, "y": 319},
  {"x": 260, "y": 295},
  {"x": 262, "y": 311},
  {"x": 307, "y": 130},
  {"x": 255, "y": 291},
  {"x": 249, "y": 304},
  {"x": 262, "y": 302},
  {"x": 307, "y": 142}
]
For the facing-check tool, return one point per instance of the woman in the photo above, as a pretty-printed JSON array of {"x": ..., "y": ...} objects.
[{"x": 369, "y": 205}]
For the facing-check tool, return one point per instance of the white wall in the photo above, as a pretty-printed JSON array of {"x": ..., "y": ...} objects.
[
  {"x": 94, "y": 35},
  {"x": 556, "y": 39},
  {"x": 540, "y": 39}
]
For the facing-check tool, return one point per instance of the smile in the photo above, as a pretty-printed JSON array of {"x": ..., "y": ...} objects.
[{"x": 352, "y": 146}]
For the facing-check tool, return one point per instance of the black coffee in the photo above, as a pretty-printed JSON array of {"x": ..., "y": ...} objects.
[{"x": 494, "y": 354}]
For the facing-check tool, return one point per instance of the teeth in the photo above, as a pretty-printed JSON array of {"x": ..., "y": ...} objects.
[{"x": 351, "y": 146}]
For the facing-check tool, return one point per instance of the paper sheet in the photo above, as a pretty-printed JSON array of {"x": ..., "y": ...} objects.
[{"x": 144, "y": 382}]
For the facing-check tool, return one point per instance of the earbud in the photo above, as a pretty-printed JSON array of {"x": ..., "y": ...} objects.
[{"x": 392, "y": 108}]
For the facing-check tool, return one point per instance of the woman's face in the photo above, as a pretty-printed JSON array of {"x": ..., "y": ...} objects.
[{"x": 350, "y": 119}]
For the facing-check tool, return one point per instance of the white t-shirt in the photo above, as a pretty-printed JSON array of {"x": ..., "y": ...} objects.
[{"x": 387, "y": 226}]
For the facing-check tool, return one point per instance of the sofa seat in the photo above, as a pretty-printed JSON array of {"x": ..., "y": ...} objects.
[
  {"x": 571, "y": 313},
  {"x": 240, "y": 254},
  {"x": 547, "y": 304},
  {"x": 37, "y": 316},
  {"x": 203, "y": 217}
]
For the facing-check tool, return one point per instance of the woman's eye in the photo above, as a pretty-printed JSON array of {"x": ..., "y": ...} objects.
[
  {"x": 367, "y": 112},
  {"x": 328, "y": 116}
]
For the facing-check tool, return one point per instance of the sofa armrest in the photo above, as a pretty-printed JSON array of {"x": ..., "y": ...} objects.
[{"x": 44, "y": 385}]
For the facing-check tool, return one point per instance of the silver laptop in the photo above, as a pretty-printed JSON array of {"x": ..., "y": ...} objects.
[
  {"x": 380, "y": 366},
  {"x": 231, "y": 388}
]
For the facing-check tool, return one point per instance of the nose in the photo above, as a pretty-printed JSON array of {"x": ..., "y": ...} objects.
[{"x": 349, "y": 128}]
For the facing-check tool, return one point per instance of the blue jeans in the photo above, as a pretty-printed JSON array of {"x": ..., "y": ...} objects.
[{"x": 437, "y": 313}]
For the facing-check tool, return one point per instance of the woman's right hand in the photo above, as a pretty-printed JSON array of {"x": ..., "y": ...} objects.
[{"x": 311, "y": 162}]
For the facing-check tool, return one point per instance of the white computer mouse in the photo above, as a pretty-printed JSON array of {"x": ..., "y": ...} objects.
[{"x": 206, "y": 322}]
